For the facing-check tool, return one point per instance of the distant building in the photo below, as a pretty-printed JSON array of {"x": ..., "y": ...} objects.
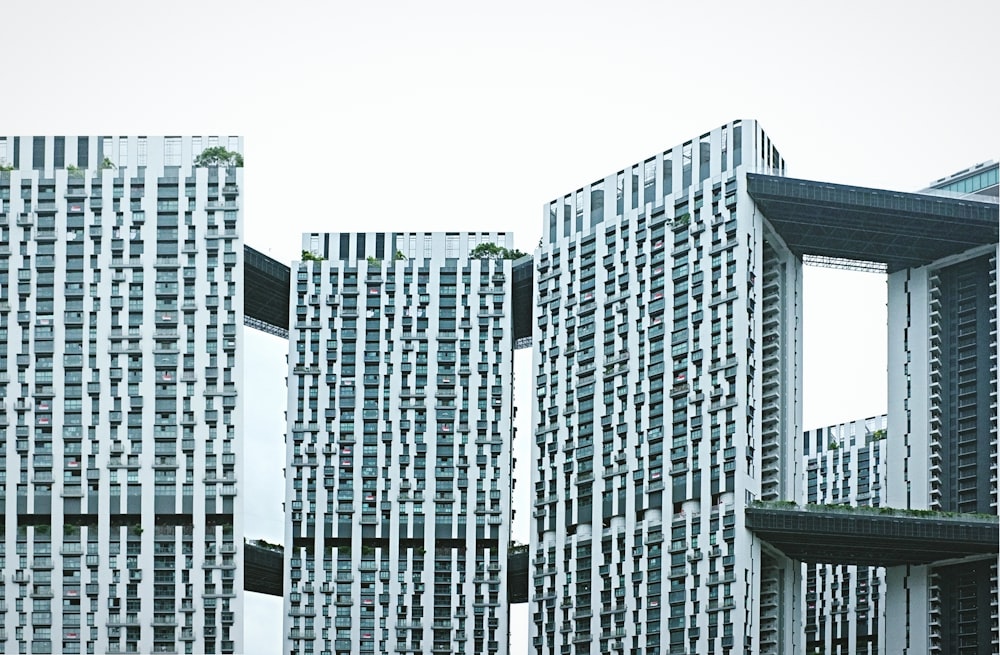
[
  {"x": 120, "y": 336},
  {"x": 399, "y": 445},
  {"x": 979, "y": 180}
]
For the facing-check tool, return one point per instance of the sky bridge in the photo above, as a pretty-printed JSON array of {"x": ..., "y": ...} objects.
[{"x": 838, "y": 534}]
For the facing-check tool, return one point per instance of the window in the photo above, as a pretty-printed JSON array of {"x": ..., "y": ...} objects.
[
  {"x": 737, "y": 145},
  {"x": 172, "y": 151},
  {"x": 705, "y": 158},
  {"x": 725, "y": 147},
  {"x": 38, "y": 153},
  {"x": 668, "y": 173},
  {"x": 140, "y": 159},
  {"x": 686, "y": 165},
  {"x": 649, "y": 181}
]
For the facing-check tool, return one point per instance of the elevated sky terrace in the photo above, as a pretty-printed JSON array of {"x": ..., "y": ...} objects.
[
  {"x": 268, "y": 285},
  {"x": 834, "y": 534},
  {"x": 837, "y": 222},
  {"x": 268, "y": 289},
  {"x": 892, "y": 230},
  {"x": 897, "y": 229},
  {"x": 839, "y": 534},
  {"x": 263, "y": 571}
]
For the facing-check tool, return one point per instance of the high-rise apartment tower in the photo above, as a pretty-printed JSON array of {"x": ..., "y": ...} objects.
[
  {"x": 943, "y": 411},
  {"x": 844, "y": 605},
  {"x": 666, "y": 363},
  {"x": 398, "y": 470},
  {"x": 120, "y": 323}
]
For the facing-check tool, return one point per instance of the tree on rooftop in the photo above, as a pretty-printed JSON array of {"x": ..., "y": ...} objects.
[
  {"x": 218, "y": 156},
  {"x": 493, "y": 251}
]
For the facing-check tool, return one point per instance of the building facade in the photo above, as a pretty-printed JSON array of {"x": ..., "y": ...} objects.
[
  {"x": 943, "y": 407},
  {"x": 666, "y": 360},
  {"x": 398, "y": 471},
  {"x": 844, "y": 605},
  {"x": 979, "y": 180},
  {"x": 120, "y": 280},
  {"x": 666, "y": 287}
]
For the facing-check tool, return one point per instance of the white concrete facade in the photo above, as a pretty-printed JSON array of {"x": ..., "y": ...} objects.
[
  {"x": 942, "y": 454},
  {"x": 844, "y": 605},
  {"x": 666, "y": 359},
  {"x": 398, "y": 473},
  {"x": 120, "y": 285}
]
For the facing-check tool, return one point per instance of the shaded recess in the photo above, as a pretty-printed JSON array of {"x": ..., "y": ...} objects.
[
  {"x": 267, "y": 284},
  {"x": 263, "y": 569},
  {"x": 517, "y": 577},
  {"x": 523, "y": 299},
  {"x": 263, "y": 572}
]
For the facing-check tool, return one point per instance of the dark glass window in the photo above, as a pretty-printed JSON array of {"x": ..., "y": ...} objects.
[
  {"x": 38, "y": 153},
  {"x": 82, "y": 151},
  {"x": 59, "y": 158}
]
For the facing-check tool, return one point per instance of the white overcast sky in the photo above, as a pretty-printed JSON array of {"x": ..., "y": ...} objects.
[{"x": 470, "y": 115}]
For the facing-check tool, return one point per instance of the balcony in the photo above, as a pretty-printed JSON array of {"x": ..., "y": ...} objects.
[{"x": 164, "y": 621}]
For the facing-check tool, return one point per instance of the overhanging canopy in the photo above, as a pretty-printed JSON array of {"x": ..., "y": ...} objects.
[{"x": 873, "y": 225}]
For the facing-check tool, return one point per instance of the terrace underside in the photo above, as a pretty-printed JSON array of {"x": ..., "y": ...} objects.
[
  {"x": 900, "y": 230},
  {"x": 264, "y": 571},
  {"x": 841, "y": 536},
  {"x": 266, "y": 299}
]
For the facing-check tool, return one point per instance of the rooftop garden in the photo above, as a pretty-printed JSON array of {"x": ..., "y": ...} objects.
[{"x": 218, "y": 156}]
